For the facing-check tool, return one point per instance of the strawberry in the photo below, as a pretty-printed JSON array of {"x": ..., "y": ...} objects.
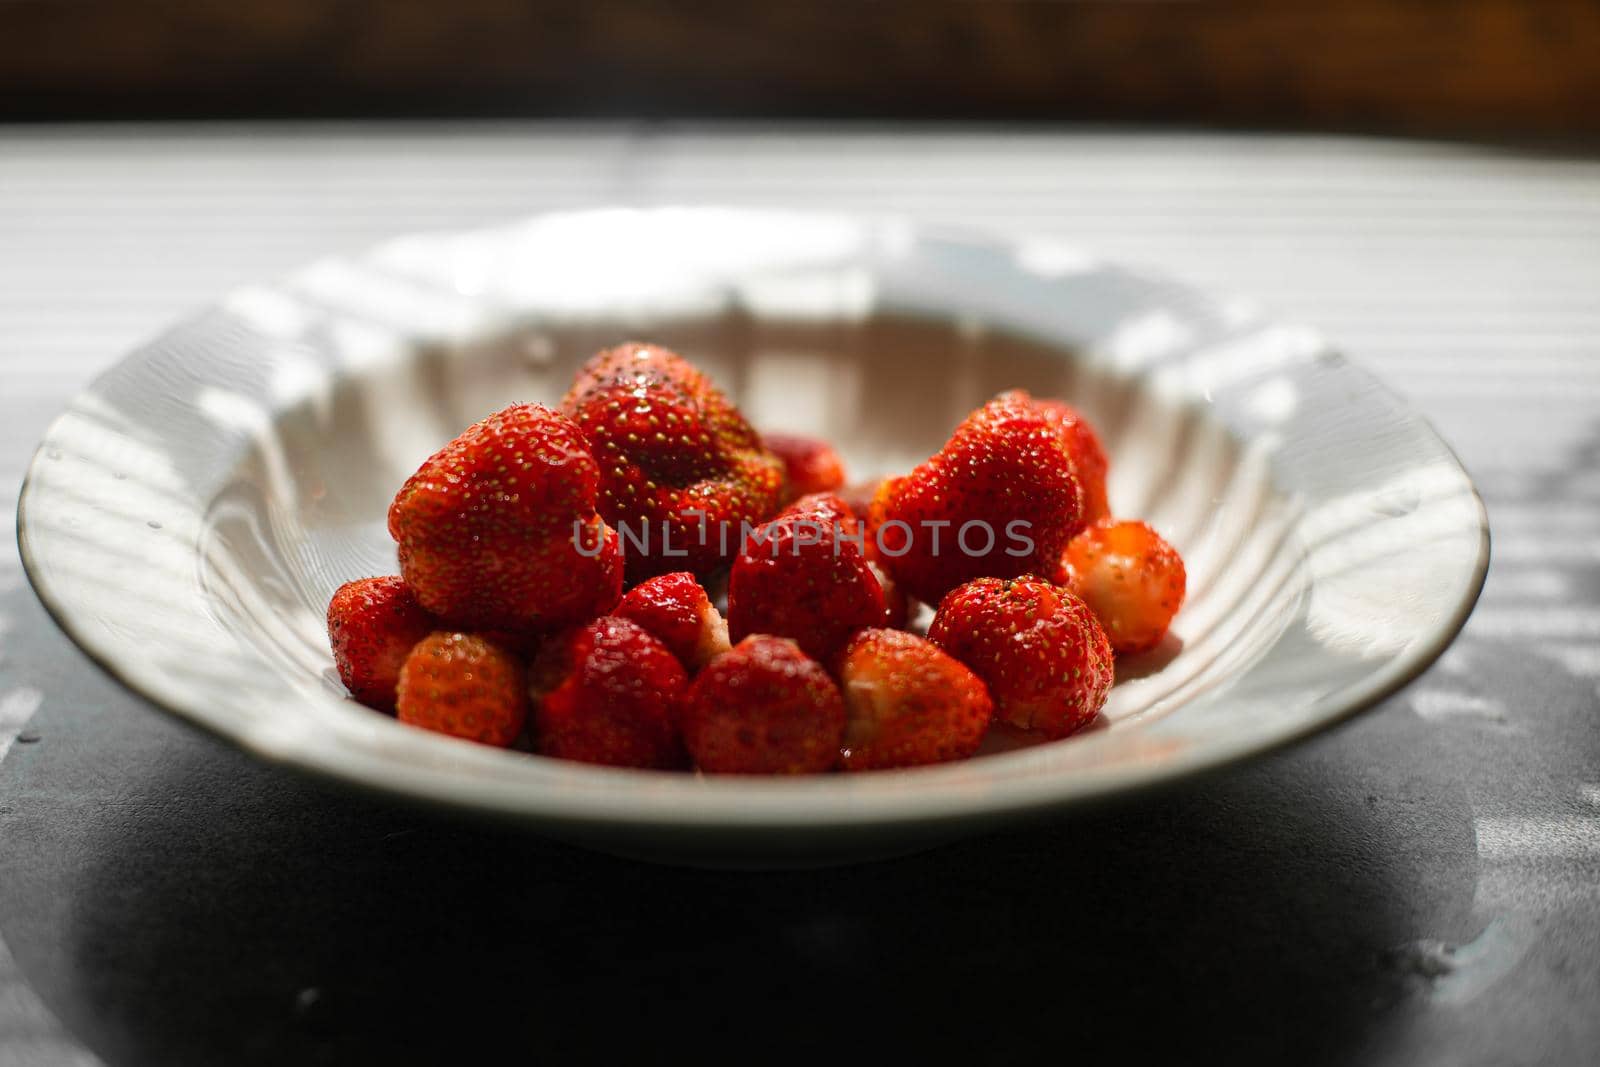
[
  {"x": 1131, "y": 579},
  {"x": 608, "y": 692},
  {"x": 1000, "y": 499},
  {"x": 675, "y": 609},
  {"x": 763, "y": 708},
  {"x": 498, "y": 529},
  {"x": 810, "y": 465},
  {"x": 372, "y": 625},
  {"x": 1045, "y": 659},
  {"x": 466, "y": 686},
  {"x": 1083, "y": 447},
  {"x": 908, "y": 703},
  {"x": 681, "y": 471},
  {"x": 805, "y": 576}
]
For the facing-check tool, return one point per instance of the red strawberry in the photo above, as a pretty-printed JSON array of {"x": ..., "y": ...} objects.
[
  {"x": 763, "y": 708},
  {"x": 498, "y": 530},
  {"x": 675, "y": 610},
  {"x": 372, "y": 625},
  {"x": 1131, "y": 579},
  {"x": 1044, "y": 657},
  {"x": 908, "y": 703},
  {"x": 805, "y": 576},
  {"x": 681, "y": 471},
  {"x": 465, "y": 686},
  {"x": 1000, "y": 499},
  {"x": 608, "y": 693},
  {"x": 1083, "y": 447},
  {"x": 810, "y": 465}
]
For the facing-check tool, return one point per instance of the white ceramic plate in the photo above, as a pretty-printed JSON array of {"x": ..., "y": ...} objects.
[{"x": 187, "y": 519}]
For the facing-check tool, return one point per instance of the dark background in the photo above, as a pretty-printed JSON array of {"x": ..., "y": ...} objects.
[{"x": 1458, "y": 67}]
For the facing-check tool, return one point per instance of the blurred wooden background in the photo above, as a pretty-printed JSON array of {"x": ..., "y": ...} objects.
[{"x": 1520, "y": 67}]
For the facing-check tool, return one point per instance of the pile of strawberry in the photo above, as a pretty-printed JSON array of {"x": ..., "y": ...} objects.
[{"x": 509, "y": 624}]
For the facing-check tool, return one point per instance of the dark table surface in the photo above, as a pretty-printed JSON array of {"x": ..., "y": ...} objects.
[{"x": 1420, "y": 886}]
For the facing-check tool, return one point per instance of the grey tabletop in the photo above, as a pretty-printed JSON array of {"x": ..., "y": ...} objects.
[{"x": 1420, "y": 886}]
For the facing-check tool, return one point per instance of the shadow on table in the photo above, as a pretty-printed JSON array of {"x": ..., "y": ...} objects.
[
  {"x": 176, "y": 903},
  {"x": 180, "y": 904}
]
